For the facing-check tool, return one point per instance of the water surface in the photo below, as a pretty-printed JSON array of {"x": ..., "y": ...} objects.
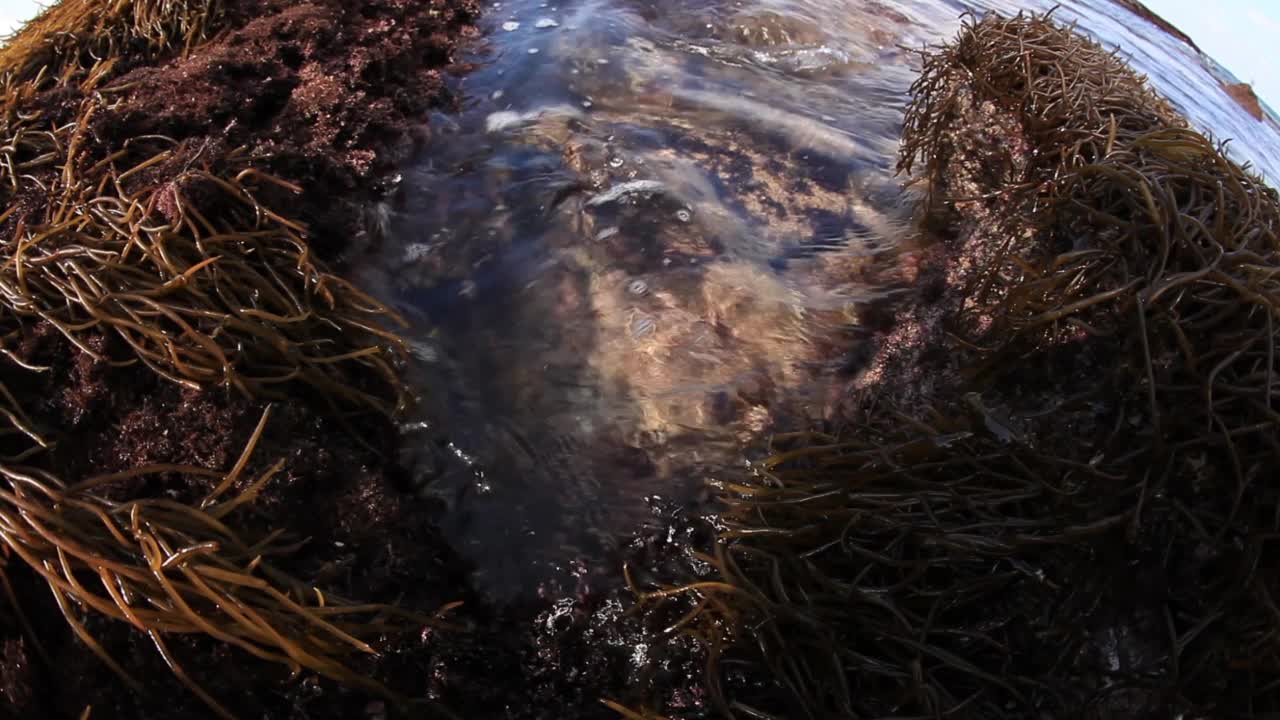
[{"x": 659, "y": 231}]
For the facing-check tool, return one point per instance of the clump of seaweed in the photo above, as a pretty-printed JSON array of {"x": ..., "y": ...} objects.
[
  {"x": 1081, "y": 519},
  {"x": 69, "y": 37},
  {"x": 889, "y": 573},
  {"x": 179, "y": 261},
  {"x": 169, "y": 568},
  {"x": 202, "y": 299}
]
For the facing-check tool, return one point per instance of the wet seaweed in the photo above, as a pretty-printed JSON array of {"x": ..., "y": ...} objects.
[
  {"x": 177, "y": 263},
  {"x": 237, "y": 300},
  {"x": 169, "y": 568},
  {"x": 203, "y": 282},
  {"x": 1078, "y": 525},
  {"x": 92, "y": 35}
]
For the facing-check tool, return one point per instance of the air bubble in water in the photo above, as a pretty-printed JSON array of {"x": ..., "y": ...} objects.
[
  {"x": 544, "y": 23},
  {"x": 684, "y": 215},
  {"x": 533, "y": 51},
  {"x": 615, "y": 162},
  {"x": 643, "y": 326},
  {"x": 511, "y": 26}
]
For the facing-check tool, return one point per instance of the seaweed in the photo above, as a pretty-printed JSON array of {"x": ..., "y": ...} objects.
[
  {"x": 237, "y": 299},
  {"x": 1077, "y": 522},
  {"x": 169, "y": 568},
  {"x": 95, "y": 35},
  {"x": 179, "y": 264}
]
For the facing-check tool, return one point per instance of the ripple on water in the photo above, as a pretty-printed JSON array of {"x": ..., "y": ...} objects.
[{"x": 653, "y": 285}]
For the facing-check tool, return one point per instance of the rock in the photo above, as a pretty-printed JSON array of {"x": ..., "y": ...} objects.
[{"x": 1246, "y": 98}]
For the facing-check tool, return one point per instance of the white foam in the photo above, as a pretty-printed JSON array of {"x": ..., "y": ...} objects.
[
  {"x": 617, "y": 192},
  {"x": 508, "y": 119}
]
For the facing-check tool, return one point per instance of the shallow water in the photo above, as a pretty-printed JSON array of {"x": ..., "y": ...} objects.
[{"x": 659, "y": 231}]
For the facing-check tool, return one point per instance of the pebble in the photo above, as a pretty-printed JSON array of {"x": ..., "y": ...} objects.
[
  {"x": 544, "y": 23},
  {"x": 511, "y": 26},
  {"x": 638, "y": 287}
]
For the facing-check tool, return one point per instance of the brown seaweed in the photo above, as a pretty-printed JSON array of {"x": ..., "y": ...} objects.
[
  {"x": 189, "y": 274},
  {"x": 966, "y": 559}
]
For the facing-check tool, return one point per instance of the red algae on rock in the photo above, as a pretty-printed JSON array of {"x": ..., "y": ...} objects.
[
  {"x": 327, "y": 96},
  {"x": 1246, "y": 98}
]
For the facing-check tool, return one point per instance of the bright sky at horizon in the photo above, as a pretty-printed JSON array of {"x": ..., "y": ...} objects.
[
  {"x": 15, "y": 12},
  {"x": 1237, "y": 33}
]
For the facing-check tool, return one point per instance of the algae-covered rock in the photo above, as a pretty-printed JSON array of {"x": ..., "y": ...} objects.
[{"x": 1054, "y": 494}]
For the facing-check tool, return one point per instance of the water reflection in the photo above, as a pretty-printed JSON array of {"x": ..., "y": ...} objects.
[{"x": 658, "y": 231}]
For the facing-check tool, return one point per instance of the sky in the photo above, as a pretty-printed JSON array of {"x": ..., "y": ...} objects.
[
  {"x": 14, "y": 12},
  {"x": 1239, "y": 34}
]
